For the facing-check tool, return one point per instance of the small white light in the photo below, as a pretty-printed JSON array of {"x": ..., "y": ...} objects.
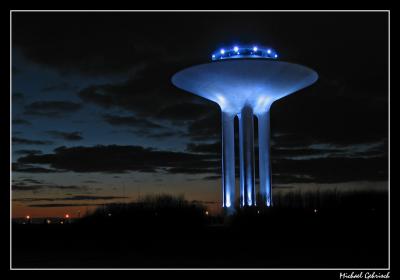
[
  {"x": 255, "y": 49},
  {"x": 236, "y": 49},
  {"x": 222, "y": 51},
  {"x": 276, "y": 55},
  {"x": 269, "y": 51},
  {"x": 213, "y": 56}
]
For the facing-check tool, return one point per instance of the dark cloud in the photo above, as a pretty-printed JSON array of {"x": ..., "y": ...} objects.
[
  {"x": 35, "y": 185},
  {"x": 343, "y": 116},
  {"x": 162, "y": 133},
  {"x": 28, "y": 152},
  {"x": 24, "y": 141},
  {"x": 106, "y": 44},
  {"x": 302, "y": 152},
  {"x": 30, "y": 180},
  {"x": 214, "y": 148},
  {"x": 19, "y": 121},
  {"x": 165, "y": 134},
  {"x": 52, "y": 108},
  {"x": 212, "y": 167},
  {"x": 203, "y": 202},
  {"x": 69, "y": 198},
  {"x": 15, "y": 71},
  {"x": 362, "y": 150},
  {"x": 212, "y": 177},
  {"x": 186, "y": 111},
  {"x": 28, "y": 168},
  {"x": 52, "y": 205},
  {"x": 311, "y": 164},
  {"x": 291, "y": 166},
  {"x": 64, "y": 86},
  {"x": 23, "y": 187},
  {"x": 130, "y": 121},
  {"x": 114, "y": 158},
  {"x": 18, "y": 97},
  {"x": 149, "y": 94},
  {"x": 276, "y": 186},
  {"x": 68, "y": 136},
  {"x": 206, "y": 128},
  {"x": 330, "y": 170}
]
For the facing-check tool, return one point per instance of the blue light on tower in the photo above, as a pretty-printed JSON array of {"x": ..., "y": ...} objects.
[
  {"x": 244, "y": 81},
  {"x": 245, "y": 52}
]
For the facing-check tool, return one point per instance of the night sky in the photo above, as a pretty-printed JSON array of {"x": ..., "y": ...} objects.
[{"x": 95, "y": 118}]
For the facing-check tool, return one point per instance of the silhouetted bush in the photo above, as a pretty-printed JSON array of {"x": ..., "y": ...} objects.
[
  {"x": 152, "y": 211},
  {"x": 331, "y": 199}
]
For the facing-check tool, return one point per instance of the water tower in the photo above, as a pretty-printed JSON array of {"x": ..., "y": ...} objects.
[{"x": 244, "y": 81}]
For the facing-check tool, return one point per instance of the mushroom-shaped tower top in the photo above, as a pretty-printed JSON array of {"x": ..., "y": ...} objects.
[
  {"x": 244, "y": 81},
  {"x": 240, "y": 76}
]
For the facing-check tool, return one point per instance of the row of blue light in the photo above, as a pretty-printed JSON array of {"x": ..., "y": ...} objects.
[{"x": 245, "y": 52}]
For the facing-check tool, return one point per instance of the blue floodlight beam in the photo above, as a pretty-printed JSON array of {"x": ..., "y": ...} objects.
[{"x": 245, "y": 85}]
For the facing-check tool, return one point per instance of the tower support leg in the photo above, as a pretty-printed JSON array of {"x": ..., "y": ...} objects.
[
  {"x": 264, "y": 158},
  {"x": 228, "y": 162},
  {"x": 246, "y": 139}
]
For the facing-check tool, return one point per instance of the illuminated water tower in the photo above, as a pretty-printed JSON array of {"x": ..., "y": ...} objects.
[{"x": 244, "y": 82}]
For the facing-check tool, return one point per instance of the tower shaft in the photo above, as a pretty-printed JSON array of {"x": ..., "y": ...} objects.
[
  {"x": 246, "y": 139},
  {"x": 264, "y": 157},
  {"x": 228, "y": 161}
]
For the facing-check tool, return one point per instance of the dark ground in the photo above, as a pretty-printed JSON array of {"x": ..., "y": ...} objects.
[{"x": 346, "y": 237}]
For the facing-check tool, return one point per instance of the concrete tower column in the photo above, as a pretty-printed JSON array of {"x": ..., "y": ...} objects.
[
  {"x": 246, "y": 138},
  {"x": 264, "y": 158},
  {"x": 228, "y": 162}
]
